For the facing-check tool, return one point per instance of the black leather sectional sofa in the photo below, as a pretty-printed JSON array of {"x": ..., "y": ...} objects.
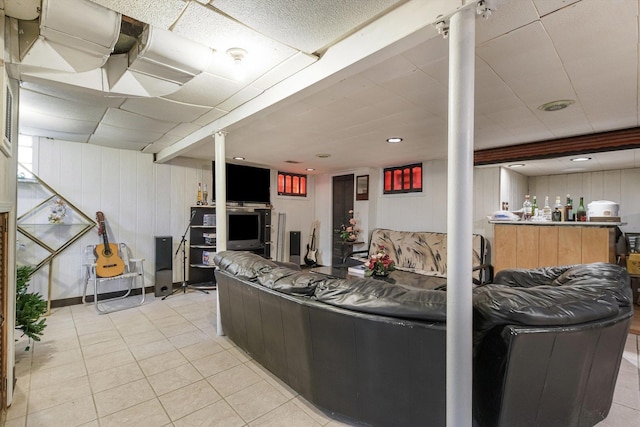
[{"x": 547, "y": 342}]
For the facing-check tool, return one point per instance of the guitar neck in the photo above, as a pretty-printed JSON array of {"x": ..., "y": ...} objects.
[{"x": 105, "y": 240}]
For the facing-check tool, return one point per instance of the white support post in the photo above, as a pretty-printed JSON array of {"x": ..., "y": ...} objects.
[
  {"x": 221, "y": 208},
  {"x": 459, "y": 219}
]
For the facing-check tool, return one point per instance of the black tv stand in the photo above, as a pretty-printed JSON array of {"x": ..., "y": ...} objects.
[{"x": 203, "y": 242}]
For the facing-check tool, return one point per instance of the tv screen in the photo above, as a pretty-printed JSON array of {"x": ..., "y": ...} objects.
[
  {"x": 245, "y": 183},
  {"x": 243, "y": 226}
]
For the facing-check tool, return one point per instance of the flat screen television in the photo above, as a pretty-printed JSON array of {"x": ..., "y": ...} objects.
[
  {"x": 249, "y": 184},
  {"x": 243, "y": 230}
]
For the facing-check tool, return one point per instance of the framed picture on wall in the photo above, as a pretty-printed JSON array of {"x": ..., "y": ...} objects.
[{"x": 362, "y": 187}]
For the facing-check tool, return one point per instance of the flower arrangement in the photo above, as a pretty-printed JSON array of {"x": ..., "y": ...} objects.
[
  {"x": 349, "y": 232},
  {"x": 58, "y": 212},
  {"x": 379, "y": 264}
]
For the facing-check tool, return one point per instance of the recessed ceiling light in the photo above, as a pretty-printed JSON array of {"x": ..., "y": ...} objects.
[
  {"x": 295, "y": 162},
  {"x": 556, "y": 105},
  {"x": 238, "y": 158},
  {"x": 516, "y": 165},
  {"x": 580, "y": 159},
  {"x": 310, "y": 169},
  {"x": 323, "y": 155},
  {"x": 394, "y": 140}
]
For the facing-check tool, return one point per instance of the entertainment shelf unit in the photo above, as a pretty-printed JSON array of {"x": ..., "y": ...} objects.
[{"x": 202, "y": 238}]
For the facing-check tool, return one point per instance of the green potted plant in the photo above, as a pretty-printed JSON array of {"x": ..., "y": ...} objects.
[{"x": 30, "y": 306}]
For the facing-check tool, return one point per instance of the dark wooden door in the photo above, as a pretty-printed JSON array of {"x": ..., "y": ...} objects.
[{"x": 342, "y": 204}]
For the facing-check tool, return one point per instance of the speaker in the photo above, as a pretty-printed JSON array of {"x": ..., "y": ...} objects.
[
  {"x": 294, "y": 247},
  {"x": 164, "y": 266}
]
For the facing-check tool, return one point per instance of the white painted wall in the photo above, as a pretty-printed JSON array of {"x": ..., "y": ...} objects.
[
  {"x": 619, "y": 186},
  {"x": 140, "y": 200}
]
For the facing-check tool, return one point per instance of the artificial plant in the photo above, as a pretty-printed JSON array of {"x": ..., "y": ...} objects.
[{"x": 30, "y": 306}]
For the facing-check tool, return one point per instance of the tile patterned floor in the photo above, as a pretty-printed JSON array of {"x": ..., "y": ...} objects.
[{"x": 162, "y": 364}]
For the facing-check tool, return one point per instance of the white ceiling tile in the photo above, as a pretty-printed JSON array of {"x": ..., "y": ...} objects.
[
  {"x": 116, "y": 141},
  {"x": 159, "y": 13},
  {"x": 63, "y": 136},
  {"x": 164, "y": 110},
  {"x": 262, "y": 53},
  {"x": 239, "y": 98},
  {"x": 35, "y": 119},
  {"x": 206, "y": 90},
  {"x": 307, "y": 26},
  {"x": 183, "y": 130},
  {"x": 130, "y": 122},
  {"x": 118, "y": 133},
  {"x": 547, "y": 6},
  {"x": 213, "y": 115}
]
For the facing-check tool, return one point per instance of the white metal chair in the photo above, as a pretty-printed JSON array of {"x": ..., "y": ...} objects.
[{"x": 133, "y": 276}]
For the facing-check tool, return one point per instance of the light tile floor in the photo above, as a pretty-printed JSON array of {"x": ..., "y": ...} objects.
[{"x": 162, "y": 364}]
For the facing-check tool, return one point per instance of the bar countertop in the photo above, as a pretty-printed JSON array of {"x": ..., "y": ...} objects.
[{"x": 562, "y": 223}]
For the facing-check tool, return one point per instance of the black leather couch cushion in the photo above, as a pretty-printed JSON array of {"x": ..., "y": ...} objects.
[
  {"x": 540, "y": 306},
  {"x": 290, "y": 281},
  {"x": 379, "y": 297},
  {"x": 243, "y": 264}
]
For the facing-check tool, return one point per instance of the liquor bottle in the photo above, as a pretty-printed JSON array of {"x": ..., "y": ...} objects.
[
  {"x": 526, "y": 209},
  {"x": 568, "y": 209},
  {"x": 199, "y": 200},
  {"x": 581, "y": 214},
  {"x": 546, "y": 210},
  {"x": 205, "y": 195},
  {"x": 559, "y": 207},
  {"x": 534, "y": 207}
]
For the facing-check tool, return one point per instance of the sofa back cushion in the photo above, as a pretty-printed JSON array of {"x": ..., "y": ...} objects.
[
  {"x": 368, "y": 295},
  {"x": 422, "y": 251}
]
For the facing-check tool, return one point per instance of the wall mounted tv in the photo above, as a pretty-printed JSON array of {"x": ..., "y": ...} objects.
[{"x": 249, "y": 184}]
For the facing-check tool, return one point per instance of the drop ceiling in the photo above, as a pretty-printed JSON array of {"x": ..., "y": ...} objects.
[{"x": 333, "y": 77}]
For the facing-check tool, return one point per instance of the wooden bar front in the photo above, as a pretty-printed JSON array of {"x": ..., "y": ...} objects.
[{"x": 531, "y": 245}]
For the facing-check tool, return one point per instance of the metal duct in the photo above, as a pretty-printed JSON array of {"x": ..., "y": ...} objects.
[{"x": 74, "y": 42}]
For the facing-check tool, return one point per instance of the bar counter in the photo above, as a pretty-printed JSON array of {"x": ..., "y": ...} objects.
[{"x": 531, "y": 244}]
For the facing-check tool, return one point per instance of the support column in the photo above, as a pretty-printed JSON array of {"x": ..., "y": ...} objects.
[
  {"x": 459, "y": 219},
  {"x": 221, "y": 207}
]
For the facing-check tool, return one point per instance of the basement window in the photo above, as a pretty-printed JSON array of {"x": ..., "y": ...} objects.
[
  {"x": 292, "y": 184},
  {"x": 403, "y": 179}
]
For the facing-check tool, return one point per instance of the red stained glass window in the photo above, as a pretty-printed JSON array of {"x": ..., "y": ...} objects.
[
  {"x": 292, "y": 184},
  {"x": 387, "y": 180},
  {"x": 403, "y": 179}
]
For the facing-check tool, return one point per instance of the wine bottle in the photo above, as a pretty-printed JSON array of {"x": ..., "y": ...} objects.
[
  {"x": 205, "y": 195},
  {"x": 526, "y": 208},
  {"x": 199, "y": 199},
  {"x": 534, "y": 207},
  {"x": 546, "y": 210},
  {"x": 581, "y": 214},
  {"x": 568, "y": 208},
  {"x": 559, "y": 207}
]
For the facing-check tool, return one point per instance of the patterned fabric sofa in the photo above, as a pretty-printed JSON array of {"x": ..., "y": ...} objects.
[{"x": 425, "y": 252}]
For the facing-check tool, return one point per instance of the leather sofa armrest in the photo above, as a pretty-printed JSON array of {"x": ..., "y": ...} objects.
[{"x": 486, "y": 275}]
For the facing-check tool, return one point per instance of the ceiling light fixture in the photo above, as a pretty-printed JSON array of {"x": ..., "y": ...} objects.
[
  {"x": 238, "y": 158},
  {"x": 310, "y": 169},
  {"x": 580, "y": 159},
  {"x": 516, "y": 165},
  {"x": 394, "y": 140},
  {"x": 238, "y": 54},
  {"x": 556, "y": 105},
  {"x": 323, "y": 155}
]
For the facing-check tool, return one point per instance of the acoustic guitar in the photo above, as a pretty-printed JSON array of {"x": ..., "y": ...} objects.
[
  {"x": 108, "y": 262},
  {"x": 310, "y": 257}
]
